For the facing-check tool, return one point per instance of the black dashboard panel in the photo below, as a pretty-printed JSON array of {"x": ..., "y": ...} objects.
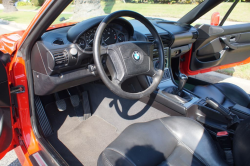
[
  {"x": 59, "y": 61},
  {"x": 114, "y": 33},
  {"x": 77, "y": 30},
  {"x": 182, "y": 34}
]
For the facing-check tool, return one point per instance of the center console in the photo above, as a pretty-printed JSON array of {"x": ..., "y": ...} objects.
[{"x": 169, "y": 93}]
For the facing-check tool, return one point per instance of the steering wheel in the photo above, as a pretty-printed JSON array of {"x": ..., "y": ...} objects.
[{"x": 128, "y": 59}]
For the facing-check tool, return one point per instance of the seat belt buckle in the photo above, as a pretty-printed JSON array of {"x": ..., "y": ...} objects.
[
  {"x": 224, "y": 140},
  {"x": 222, "y": 134}
]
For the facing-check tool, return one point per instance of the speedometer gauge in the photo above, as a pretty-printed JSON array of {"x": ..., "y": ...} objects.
[
  {"x": 109, "y": 36},
  {"x": 90, "y": 37}
]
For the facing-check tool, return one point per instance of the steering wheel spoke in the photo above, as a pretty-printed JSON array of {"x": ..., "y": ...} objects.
[
  {"x": 152, "y": 72},
  {"x": 116, "y": 82},
  {"x": 103, "y": 50}
]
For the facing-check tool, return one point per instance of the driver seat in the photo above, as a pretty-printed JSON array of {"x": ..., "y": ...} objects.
[{"x": 175, "y": 141}]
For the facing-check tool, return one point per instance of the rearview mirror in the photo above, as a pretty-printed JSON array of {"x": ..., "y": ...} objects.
[{"x": 215, "y": 19}]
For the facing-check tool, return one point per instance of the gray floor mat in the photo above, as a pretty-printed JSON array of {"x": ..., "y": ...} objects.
[
  {"x": 88, "y": 140},
  {"x": 81, "y": 142},
  {"x": 118, "y": 111}
]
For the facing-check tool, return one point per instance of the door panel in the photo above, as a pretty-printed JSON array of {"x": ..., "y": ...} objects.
[
  {"x": 218, "y": 47},
  {"x": 6, "y": 129}
]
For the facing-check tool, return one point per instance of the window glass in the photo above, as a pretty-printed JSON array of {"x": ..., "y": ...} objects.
[
  {"x": 170, "y": 10},
  {"x": 239, "y": 15}
]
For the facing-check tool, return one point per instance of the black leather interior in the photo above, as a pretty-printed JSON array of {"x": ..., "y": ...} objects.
[
  {"x": 225, "y": 93},
  {"x": 241, "y": 144},
  {"x": 167, "y": 141}
]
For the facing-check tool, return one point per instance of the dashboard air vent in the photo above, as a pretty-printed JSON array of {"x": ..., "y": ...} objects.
[
  {"x": 61, "y": 58},
  {"x": 150, "y": 38},
  {"x": 166, "y": 39},
  {"x": 58, "y": 42}
]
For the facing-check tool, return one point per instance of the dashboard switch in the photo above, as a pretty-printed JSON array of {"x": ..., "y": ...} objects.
[{"x": 73, "y": 51}]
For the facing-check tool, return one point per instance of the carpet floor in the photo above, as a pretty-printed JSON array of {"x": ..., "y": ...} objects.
[{"x": 81, "y": 142}]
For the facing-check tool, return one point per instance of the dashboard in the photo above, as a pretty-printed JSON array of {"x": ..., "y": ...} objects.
[
  {"x": 63, "y": 57},
  {"x": 114, "y": 33}
]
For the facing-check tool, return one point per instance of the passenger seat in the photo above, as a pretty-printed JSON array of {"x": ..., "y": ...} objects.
[{"x": 226, "y": 94}]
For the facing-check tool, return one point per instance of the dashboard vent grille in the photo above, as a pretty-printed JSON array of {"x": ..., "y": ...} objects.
[
  {"x": 61, "y": 58},
  {"x": 166, "y": 39},
  {"x": 58, "y": 42}
]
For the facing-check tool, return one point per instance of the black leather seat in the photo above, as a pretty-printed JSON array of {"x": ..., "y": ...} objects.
[
  {"x": 175, "y": 141},
  {"x": 225, "y": 93}
]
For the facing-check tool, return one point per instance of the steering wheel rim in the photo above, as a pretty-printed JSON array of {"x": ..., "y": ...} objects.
[{"x": 98, "y": 50}]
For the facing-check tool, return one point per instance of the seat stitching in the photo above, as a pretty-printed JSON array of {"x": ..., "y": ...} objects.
[
  {"x": 190, "y": 150},
  {"x": 123, "y": 156},
  {"x": 107, "y": 160}
]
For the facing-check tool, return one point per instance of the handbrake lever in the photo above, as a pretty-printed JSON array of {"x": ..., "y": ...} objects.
[{"x": 232, "y": 118}]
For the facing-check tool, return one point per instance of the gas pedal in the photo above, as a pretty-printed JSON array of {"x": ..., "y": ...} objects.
[
  {"x": 60, "y": 103},
  {"x": 42, "y": 118},
  {"x": 86, "y": 106}
]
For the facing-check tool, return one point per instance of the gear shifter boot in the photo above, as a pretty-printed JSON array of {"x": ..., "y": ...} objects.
[{"x": 174, "y": 91}]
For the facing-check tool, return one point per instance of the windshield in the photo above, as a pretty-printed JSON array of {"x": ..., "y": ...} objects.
[{"x": 80, "y": 10}]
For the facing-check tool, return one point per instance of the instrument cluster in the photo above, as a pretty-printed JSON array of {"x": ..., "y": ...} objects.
[{"x": 113, "y": 33}]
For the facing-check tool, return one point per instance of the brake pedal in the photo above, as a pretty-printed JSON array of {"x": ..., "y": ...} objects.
[{"x": 60, "y": 103}]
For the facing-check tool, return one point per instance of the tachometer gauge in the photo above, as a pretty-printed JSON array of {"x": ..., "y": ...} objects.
[
  {"x": 82, "y": 43},
  {"x": 109, "y": 36},
  {"x": 121, "y": 37},
  {"x": 90, "y": 37}
]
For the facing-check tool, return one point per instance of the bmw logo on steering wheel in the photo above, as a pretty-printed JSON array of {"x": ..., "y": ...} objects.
[{"x": 136, "y": 55}]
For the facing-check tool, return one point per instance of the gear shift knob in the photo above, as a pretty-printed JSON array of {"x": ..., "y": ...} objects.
[{"x": 182, "y": 81}]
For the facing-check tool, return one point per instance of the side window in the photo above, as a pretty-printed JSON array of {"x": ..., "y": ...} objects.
[
  {"x": 239, "y": 15},
  {"x": 221, "y": 8}
]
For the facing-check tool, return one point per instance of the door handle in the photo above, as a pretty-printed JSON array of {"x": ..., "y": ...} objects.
[
  {"x": 232, "y": 39},
  {"x": 224, "y": 39},
  {"x": 222, "y": 52}
]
